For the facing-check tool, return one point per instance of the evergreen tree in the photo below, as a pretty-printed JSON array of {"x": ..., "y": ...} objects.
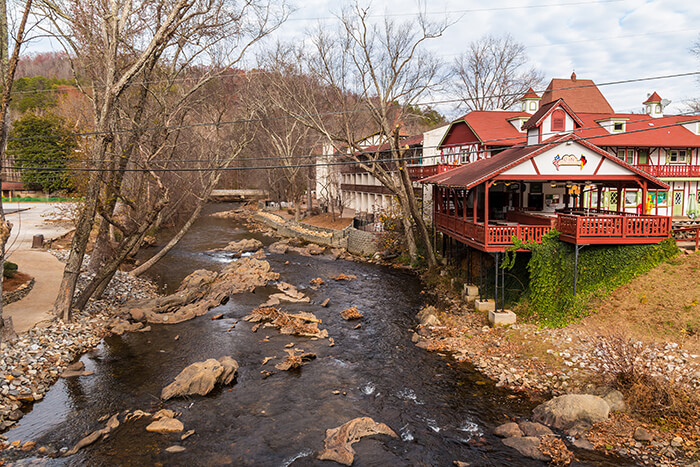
[{"x": 41, "y": 146}]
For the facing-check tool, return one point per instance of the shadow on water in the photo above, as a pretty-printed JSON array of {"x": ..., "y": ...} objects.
[{"x": 441, "y": 410}]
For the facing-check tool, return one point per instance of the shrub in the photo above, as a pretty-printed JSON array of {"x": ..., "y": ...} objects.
[
  {"x": 9, "y": 270},
  {"x": 623, "y": 363}
]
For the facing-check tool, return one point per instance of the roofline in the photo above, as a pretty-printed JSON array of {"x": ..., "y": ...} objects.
[
  {"x": 553, "y": 106},
  {"x": 543, "y": 147},
  {"x": 611, "y": 118},
  {"x": 456, "y": 122}
]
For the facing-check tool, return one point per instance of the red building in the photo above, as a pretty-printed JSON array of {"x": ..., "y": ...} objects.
[{"x": 566, "y": 160}]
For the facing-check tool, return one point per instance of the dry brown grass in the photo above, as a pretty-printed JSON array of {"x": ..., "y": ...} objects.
[
  {"x": 663, "y": 305},
  {"x": 654, "y": 397},
  {"x": 13, "y": 283}
]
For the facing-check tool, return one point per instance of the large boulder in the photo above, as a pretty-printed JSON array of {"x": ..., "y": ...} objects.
[
  {"x": 242, "y": 246},
  {"x": 201, "y": 377},
  {"x": 572, "y": 411},
  {"x": 508, "y": 430},
  {"x": 339, "y": 441}
]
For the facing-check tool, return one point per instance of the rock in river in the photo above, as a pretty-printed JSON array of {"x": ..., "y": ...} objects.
[
  {"x": 201, "y": 377},
  {"x": 339, "y": 441}
]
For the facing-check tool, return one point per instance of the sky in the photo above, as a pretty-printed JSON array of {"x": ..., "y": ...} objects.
[{"x": 601, "y": 40}]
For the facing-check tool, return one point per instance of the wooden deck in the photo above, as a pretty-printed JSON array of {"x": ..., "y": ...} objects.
[{"x": 592, "y": 228}]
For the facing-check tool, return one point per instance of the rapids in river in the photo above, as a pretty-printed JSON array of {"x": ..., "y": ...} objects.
[{"x": 442, "y": 411}]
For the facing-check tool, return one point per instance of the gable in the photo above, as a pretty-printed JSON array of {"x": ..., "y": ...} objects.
[
  {"x": 569, "y": 160},
  {"x": 459, "y": 134}
]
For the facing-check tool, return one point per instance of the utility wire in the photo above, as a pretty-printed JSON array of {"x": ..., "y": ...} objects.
[
  {"x": 315, "y": 164},
  {"x": 343, "y": 112},
  {"x": 367, "y": 151}
]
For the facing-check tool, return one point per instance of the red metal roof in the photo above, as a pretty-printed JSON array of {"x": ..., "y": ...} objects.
[
  {"x": 530, "y": 94},
  {"x": 653, "y": 98},
  {"x": 640, "y": 131},
  {"x": 476, "y": 173},
  {"x": 582, "y": 95},
  {"x": 492, "y": 127},
  {"x": 548, "y": 108}
]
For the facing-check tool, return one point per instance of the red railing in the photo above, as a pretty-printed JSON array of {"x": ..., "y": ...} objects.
[
  {"x": 613, "y": 229},
  {"x": 578, "y": 229},
  {"x": 492, "y": 235},
  {"x": 688, "y": 234},
  {"x": 678, "y": 170},
  {"x": 419, "y": 172}
]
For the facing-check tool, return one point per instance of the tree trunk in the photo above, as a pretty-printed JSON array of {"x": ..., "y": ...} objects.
[
  {"x": 7, "y": 75},
  {"x": 170, "y": 245},
  {"x": 414, "y": 212}
]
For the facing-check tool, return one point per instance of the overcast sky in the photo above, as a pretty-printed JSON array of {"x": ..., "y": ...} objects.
[{"x": 604, "y": 40}]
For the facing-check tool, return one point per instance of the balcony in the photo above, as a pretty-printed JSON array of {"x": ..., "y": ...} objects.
[
  {"x": 419, "y": 172},
  {"x": 676, "y": 170},
  {"x": 589, "y": 227}
]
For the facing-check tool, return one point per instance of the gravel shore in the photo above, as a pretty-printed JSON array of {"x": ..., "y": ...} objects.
[{"x": 31, "y": 363}]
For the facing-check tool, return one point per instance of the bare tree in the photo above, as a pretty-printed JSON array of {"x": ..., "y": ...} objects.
[
  {"x": 117, "y": 47},
  {"x": 8, "y": 68},
  {"x": 493, "y": 73},
  {"x": 369, "y": 73}
]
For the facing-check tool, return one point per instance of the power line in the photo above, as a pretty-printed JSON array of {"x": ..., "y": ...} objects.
[
  {"x": 316, "y": 164},
  {"x": 343, "y": 112}
]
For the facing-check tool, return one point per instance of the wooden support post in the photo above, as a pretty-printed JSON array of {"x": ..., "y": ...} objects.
[
  {"x": 644, "y": 197},
  {"x": 600, "y": 196},
  {"x": 486, "y": 212}
]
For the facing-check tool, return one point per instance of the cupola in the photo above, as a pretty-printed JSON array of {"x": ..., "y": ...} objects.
[
  {"x": 530, "y": 101},
  {"x": 653, "y": 106}
]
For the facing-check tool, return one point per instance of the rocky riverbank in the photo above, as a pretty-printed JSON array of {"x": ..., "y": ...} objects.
[
  {"x": 32, "y": 362},
  {"x": 543, "y": 362}
]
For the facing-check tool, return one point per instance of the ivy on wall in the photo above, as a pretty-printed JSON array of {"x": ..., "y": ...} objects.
[{"x": 601, "y": 269}]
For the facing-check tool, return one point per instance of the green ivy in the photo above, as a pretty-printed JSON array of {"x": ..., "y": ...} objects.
[{"x": 601, "y": 269}]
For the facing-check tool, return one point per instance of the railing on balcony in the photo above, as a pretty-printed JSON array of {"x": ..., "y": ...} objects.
[
  {"x": 419, "y": 172},
  {"x": 676, "y": 170},
  {"x": 580, "y": 229},
  {"x": 491, "y": 236},
  {"x": 613, "y": 229}
]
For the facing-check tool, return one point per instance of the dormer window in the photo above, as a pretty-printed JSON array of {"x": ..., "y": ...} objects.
[
  {"x": 618, "y": 127},
  {"x": 533, "y": 105},
  {"x": 558, "y": 120}
]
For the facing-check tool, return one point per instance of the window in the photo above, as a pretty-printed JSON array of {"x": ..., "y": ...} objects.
[
  {"x": 643, "y": 156},
  {"x": 677, "y": 156},
  {"x": 558, "y": 120},
  {"x": 658, "y": 108},
  {"x": 533, "y": 105},
  {"x": 618, "y": 127},
  {"x": 621, "y": 154}
]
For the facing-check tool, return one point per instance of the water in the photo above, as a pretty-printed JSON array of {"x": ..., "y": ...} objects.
[{"x": 436, "y": 407}]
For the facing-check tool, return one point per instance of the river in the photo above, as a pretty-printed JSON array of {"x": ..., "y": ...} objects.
[{"x": 442, "y": 411}]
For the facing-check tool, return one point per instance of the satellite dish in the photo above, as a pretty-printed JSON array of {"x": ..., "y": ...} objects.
[{"x": 664, "y": 103}]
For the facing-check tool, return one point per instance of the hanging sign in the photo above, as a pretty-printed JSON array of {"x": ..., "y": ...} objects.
[{"x": 569, "y": 159}]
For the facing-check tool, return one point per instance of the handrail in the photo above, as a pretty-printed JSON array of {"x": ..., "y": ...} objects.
[{"x": 695, "y": 228}]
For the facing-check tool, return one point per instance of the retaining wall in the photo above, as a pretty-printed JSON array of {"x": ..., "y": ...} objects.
[{"x": 357, "y": 242}]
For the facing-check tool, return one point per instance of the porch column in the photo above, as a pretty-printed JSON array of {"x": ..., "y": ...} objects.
[
  {"x": 620, "y": 201},
  {"x": 464, "y": 205},
  {"x": 644, "y": 198},
  {"x": 580, "y": 196},
  {"x": 486, "y": 212},
  {"x": 600, "y": 196},
  {"x": 475, "y": 201}
]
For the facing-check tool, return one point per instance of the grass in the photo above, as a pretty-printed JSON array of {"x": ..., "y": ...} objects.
[{"x": 662, "y": 305}]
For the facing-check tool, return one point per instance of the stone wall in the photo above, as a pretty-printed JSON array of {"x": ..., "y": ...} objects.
[
  {"x": 306, "y": 232},
  {"x": 19, "y": 293},
  {"x": 357, "y": 242},
  {"x": 361, "y": 242}
]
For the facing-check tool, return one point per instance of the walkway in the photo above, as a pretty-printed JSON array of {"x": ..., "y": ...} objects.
[{"x": 42, "y": 265}]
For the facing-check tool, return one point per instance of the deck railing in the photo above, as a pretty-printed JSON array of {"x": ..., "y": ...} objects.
[
  {"x": 578, "y": 229},
  {"x": 613, "y": 229},
  {"x": 679, "y": 170},
  {"x": 419, "y": 172}
]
